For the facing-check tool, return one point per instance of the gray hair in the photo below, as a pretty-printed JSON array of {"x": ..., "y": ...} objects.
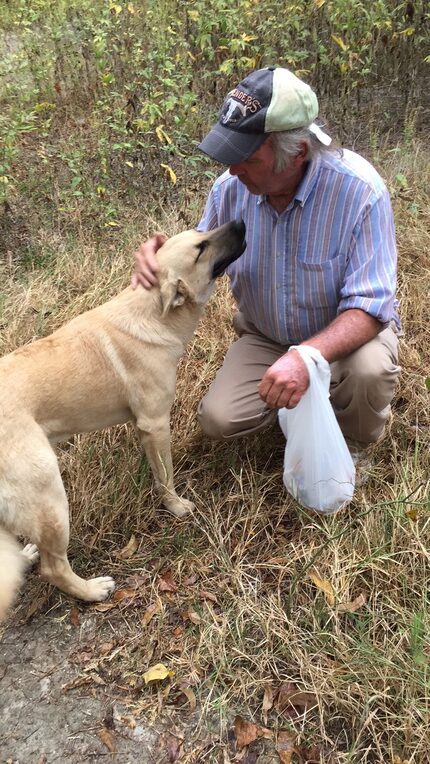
[{"x": 288, "y": 143}]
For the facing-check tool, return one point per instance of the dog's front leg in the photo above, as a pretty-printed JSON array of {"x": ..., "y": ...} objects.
[{"x": 155, "y": 438}]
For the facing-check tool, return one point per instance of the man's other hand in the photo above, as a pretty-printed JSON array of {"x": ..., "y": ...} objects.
[{"x": 145, "y": 262}]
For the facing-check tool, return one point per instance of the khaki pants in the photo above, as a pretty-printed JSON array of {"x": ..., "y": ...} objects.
[{"x": 361, "y": 390}]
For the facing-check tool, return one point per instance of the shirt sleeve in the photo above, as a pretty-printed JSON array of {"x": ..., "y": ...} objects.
[
  {"x": 371, "y": 272},
  {"x": 209, "y": 221}
]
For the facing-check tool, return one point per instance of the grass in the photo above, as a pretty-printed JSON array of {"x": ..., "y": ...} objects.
[{"x": 243, "y": 613}]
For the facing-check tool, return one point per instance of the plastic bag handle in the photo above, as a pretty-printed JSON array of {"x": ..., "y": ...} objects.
[{"x": 316, "y": 364}]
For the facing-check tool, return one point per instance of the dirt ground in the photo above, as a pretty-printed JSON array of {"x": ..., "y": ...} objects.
[
  {"x": 42, "y": 721},
  {"x": 63, "y": 700}
]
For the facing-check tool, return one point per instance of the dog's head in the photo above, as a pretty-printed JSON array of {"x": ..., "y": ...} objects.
[{"x": 191, "y": 261}]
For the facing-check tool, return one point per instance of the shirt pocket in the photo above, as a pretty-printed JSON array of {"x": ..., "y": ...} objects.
[{"x": 319, "y": 284}]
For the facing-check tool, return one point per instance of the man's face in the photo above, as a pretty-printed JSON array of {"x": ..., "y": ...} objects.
[
  {"x": 258, "y": 175},
  {"x": 256, "y": 172}
]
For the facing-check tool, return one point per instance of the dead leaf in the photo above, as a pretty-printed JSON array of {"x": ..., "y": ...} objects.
[
  {"x": 106, "y": 648},
  {"x": 157, "y": 673},
  {"x": 167, "y": 583},
  {"x": 191, "y": 615},
  {"x": 205, "y": 595},
  {"x": 178, "y": 631},
  {"x": 285, "y": 746},
  {"x": 41, "y": 760},
  {"x": 128, "y": 551},
  {"x": 119, "y": 596},
  {"x": 289, "y": 695},
  {"x": 189, "y": 694},
  {"x": 103, "y": 607},
  {"x": 324, "y": 585},
  {"x": 75, "y": 616},
  {"x": 267, "y": 701},
  {"x": 107, "y": 739},
  {"x": 174, "y": 748},
  {"x": 351, "y": 607},
  {"x": 78, "y": 681},
  {"x": 150, "y": 611},
  {"x": 123, "y": 594},
  {"x": 246, "y": 732},
  {"x": 311, "y": 755},
  {"x": 191, "y": 580}
]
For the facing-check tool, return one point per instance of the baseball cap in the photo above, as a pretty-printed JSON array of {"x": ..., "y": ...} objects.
[{"x": 266, "y": 101}]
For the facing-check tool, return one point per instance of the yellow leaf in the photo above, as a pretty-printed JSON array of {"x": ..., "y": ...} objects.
[
  {"x": 412, "y": 514},
  {"x": 129, "y": 164},
  {"x": 339, "y": 41},
  {"x": 324, "y": 585},
  {"x": 157, "y": 673},
  {"x": 319, "y": 3},
  {"x": 162, "y": 136},
  {"x": 131, "y": 9},
  {"x": 151, "y": 610},
  {"x": 170, "y": 171},
  {"x": 194, "y": 15},
  {"x": 116, "y": 8},
  {"x": 129, "y": 550}
]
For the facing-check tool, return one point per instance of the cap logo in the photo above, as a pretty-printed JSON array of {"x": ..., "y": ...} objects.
[{"x": 237, "y": 106}]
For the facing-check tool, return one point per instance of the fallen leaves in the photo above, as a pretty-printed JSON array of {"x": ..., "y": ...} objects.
[
  {"x": 107, "y": 739},
  {"x": 246, "y": 732},
  {"x": 324, "y": 585},
  {"x": 129, "y": 550},
  {"x": 285, "y": 746},
  {"x": 149, "y": 613},
  {"x": 290, "y": 701},
  {"x": 351, "y": 607},
  {"x": 166, "y": 583},
  {"x": 157, "y": 673}
]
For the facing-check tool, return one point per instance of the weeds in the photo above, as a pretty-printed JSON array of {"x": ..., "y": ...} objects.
[{"x": 98, "y": 124}]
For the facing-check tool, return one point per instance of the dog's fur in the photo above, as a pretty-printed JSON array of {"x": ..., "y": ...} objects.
[{"x": 113, "y": 364}]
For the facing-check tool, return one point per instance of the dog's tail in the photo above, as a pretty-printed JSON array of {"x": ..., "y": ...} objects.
[{"x": 12, "y": 564}]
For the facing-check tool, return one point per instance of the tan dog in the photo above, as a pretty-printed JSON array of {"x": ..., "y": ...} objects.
[{"x": 114, "y": 364}]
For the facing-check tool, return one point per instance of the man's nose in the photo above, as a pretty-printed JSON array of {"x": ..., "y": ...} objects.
[{"x": 235, "y": 168}]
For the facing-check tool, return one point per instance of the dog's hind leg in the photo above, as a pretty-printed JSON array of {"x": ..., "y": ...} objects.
[
  {"x": 47, "y": 525},
  {"x": 52, "y": 542}
]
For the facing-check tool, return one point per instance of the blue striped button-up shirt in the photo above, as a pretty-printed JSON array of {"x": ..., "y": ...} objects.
[{"x": 332, "y": 249}]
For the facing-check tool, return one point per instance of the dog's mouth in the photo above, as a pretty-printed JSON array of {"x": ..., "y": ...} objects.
[{"x": 235, "y": 245}]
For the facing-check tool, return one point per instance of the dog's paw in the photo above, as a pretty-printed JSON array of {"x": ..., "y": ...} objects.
[
  {"x": 99, "y": 589},
  {"x": 179, "y": 507},
  {"x": 31, "y": 554}
]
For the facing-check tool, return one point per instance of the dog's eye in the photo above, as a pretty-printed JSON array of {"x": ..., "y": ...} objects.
[{"x": 201, "y": 248}]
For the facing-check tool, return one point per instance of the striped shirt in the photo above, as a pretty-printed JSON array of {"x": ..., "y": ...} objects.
[{"x": 332, "y": 249}]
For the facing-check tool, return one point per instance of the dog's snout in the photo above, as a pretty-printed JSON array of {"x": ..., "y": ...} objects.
[{"x": 233, "y": 235}]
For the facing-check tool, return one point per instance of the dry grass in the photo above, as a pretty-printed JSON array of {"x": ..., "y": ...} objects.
[{"x": 248, "y": 544}]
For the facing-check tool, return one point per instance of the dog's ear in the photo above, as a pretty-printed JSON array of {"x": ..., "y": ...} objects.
[{"x": 174, "y": 294}]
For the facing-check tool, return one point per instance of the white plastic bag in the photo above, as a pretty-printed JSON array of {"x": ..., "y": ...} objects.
[{"x": 318, "y": 470}]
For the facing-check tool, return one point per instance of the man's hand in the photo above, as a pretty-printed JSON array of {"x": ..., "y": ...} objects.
[
  {"x": 285, "y": 381},
  {"x": 145, "y": 262}
]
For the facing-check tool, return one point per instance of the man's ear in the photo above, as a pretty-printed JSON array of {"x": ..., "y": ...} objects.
[{"x": 174, "y": 294}]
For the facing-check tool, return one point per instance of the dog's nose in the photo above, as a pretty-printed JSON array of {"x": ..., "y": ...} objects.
[{"x": 240, "y": 227}]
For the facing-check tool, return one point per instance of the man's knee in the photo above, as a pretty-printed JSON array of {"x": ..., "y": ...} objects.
[
  {"x": 213, "y": 420},
  {"x": 218, "y": 422},
  {"x": 369, "y": 374}
]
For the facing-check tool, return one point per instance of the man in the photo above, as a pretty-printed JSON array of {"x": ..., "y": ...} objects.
[{"x": 319, "y": 268}]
